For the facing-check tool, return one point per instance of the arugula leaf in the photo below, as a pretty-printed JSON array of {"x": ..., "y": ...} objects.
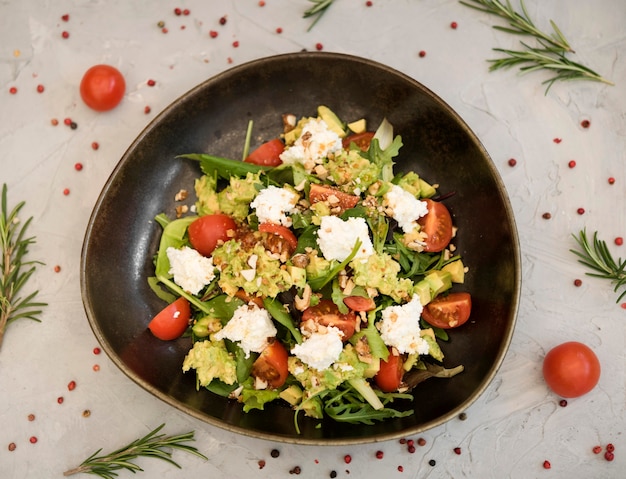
[
  {"x": 279, "y": 313},
  {"x": 224, "y": 168},
  {"x": 383, "y": 158},
  {"x": 318, "y": 283}
]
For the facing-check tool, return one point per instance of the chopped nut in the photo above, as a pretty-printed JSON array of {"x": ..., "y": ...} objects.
[
  {"x": 181, "y": 195},
  {"x": 289, "y": 122},
  {"x": 181, "y": 210}
]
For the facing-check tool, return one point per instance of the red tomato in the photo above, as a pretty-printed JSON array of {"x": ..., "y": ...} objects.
[
  {"x": 319, "y": 193},
  {"x": 571, "y": 369},
  {"x": 268, "y": 154},
  {"x": 327, "y": 313},
  {"x": 271, "y": 365},
  {"x": 437, "y": 224},
  {"x": 282, "y": 231},
  {"x": 448, "y": 311},
  {"x": 102, "y": 87},
  {"x": 389, "y": 376},
  {"x": 362, "y": 140},
  {"x": 172, "y": 321},
  {"x": 359, "y": 303},
  {"x": 205, "y": 232}
]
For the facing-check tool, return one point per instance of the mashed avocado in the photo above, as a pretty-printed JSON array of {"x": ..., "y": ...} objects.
[
  {"x": 350, "y": 171},
  {"x": 233, "y": 200},
  {"x": 254, "y": 270},
  {"x": 380, "y": 271},
  {"x": 211, "y": 361},
  {"x": 348, "y": 366}
]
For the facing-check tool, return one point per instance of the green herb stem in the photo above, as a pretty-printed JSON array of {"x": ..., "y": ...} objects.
[
  {"x": 14, "y": 270},
  {"x": 596, "y": 256},
  {"x": 151, "y": 445},
  {"x": 549, "y": 55}
]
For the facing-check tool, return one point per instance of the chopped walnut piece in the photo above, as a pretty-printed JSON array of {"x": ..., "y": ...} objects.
[
  {"x": 181, "y": 210},
  {"x": 181, "y": 195},
  {"x": 289, "y": 122}
]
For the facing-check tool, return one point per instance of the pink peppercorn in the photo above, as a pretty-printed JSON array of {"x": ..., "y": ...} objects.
[
  {"x": 151, "y": 82},
  {"x": 585, "y": 123},
  {"x": 66, "y": 191},
  {"x": 597, "y": 449},
  {"x": 453, "y": 25},
  {"x": 347, "y": 458},
  {"x": 97, "y": 350},
  {"x": 78, "y": 166},
  {"x": 71, "y": 385},
  {"x": 319, "y": 46},
  {"x": 60, "y": 399},
  {"x": 578, "y": 282},
  {"x": 547, "y": 465},
  {"x": 580, "y": 211},
  {"x": 177, "y": 11},
  {"x": 235, "y": 44},
  {"x": 571, "y": 164},
  {"x": 13, "y": 90},
  {"x": 611, "y": 180},
  {"x": 65, "y": 17},
  {"x": 457, "y": 451},
  {"x": 512, "y": 162},
  {"x": 33, "y": 439},
  {"x": 95, "y": 145},
  {"x": 422, "y": 53},
  {"x": 65, "y": 34},
  {"x": 619, "y": 241},
  {"x": 609, "y": 456},
  {"x": 147, "y": 110},
  {"x": 213, "y": 34},
  {"x": 40, "y": 88},
  {"x": 379, "y": 454},
  {"x": 279, "y": 30},
  {"x": 557, "y": 140},
  {"x": 610, "y": 447}
]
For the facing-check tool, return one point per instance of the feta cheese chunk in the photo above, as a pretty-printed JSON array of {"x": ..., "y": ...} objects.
[
  {"x": 336, "y": 238},
  {"x": 404, "y": 207},
  {"x": 320, "y": 349},
  {"x": 400, "y": 327},
  {"x": 191, "y": 270},
  {"x": 273, "y": 204},
  {"x": 314, "y": 144},
  {"x": 251, "y": 326}
]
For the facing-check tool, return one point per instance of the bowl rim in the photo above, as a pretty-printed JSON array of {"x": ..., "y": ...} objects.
[{"x": 217, "y": 78}]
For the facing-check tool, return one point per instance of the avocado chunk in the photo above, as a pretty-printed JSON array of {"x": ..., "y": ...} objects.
[
  {"x": 358, "y": 126},
  {"x": 456, "y": 270},
  {"x": 332, "y": 120},
  {"x": 292, "y": 394}
]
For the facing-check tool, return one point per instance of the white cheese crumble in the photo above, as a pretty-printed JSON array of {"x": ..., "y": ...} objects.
[
  {"x": 405, "y": 208},
  {"x": 400, "y": 327},
  {"x": 336, "y": 238},
  {"x": 251, "y": 326},
  {"x": 313, "y": 145},
  {"x": 320, "y": 350},
  {"x": 191, "y": 270},
  {"x": 273, "y": 204}
]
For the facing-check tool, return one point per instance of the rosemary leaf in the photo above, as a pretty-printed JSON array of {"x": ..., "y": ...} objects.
[
  {"x": 596, "y": 256},
  {"x": 151, "y": 445},
  {"x": 318, "y": 10},
  {"x": 550, "y": 54},
  {"x": 14, "y": 270}
]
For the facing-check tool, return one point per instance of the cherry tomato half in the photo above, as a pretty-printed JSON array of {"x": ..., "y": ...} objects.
[
  {"x": 172, "y": 321},
  {"x": 268, "y": 154},
  {"x": 362, "y": 140},
  {"x": 282, "y": 231},
  {"x": 271, "y": 365},
  {"x": 102, "y": 87},
  {"x": 389, "y": 376},
  {"x": 335, "y": 197},
  {"x": 359, "y": 303},
  {"x": 205, "y": 232},
  {"x": 327, "y": 313},
  {"x": 437, "y": 224},
  {"x": 571, "y": 369},
  {"x": 448, "y": 311}
]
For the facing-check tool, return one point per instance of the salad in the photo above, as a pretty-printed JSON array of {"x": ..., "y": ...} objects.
[{"x": 312, "y": 274}]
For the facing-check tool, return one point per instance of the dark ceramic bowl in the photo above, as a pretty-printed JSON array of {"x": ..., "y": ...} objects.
[{"x": 122, "y": 236}]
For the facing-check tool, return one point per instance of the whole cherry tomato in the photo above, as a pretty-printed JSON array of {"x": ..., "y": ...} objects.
[
  {"x": 102, "y": 87},
  {"x": 571, "y": 369}
]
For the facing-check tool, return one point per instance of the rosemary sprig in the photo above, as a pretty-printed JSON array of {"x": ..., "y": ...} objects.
[
  {"x": 14, "y": 270},
  {"x": 317, "y": 10},
  {"x": 596, "y": 256},
  {"x": 549, "y": 55},
  {"x": 151, "y": 445}
]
